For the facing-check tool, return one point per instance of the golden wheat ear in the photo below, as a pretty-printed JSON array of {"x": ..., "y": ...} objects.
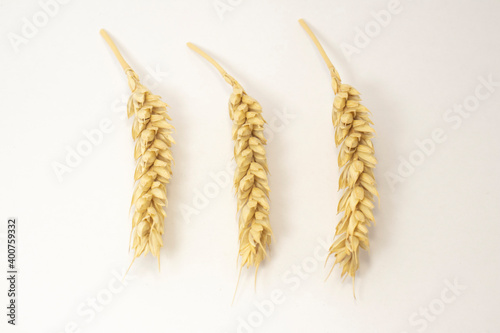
[
  {"x": 353, "y": 132},
  {"x": 250, "y": 176},
  {"x": 152, "y": 134}
]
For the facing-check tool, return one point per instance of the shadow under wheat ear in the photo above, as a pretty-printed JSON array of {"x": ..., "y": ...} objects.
[
  {"x": 353, "y": 132},
  {"x": 152, "y": 134},
  {"x": 250, "y": 176}
]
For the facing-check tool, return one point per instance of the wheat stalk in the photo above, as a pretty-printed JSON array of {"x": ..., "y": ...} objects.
[
  {"x": 354, "y": 133},
  {"x": 250, "y": 177},
  {"x": 152, "y": 135}
]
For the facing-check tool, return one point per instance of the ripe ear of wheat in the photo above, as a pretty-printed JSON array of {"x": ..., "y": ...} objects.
[
  {"x": 353, "y": 132},
  {"x": 250, "y": 177},
  {"x": 152, "y": 134}
]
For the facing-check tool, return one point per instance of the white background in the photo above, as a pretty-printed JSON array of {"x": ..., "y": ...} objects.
[{"x": 438, "y": 223}]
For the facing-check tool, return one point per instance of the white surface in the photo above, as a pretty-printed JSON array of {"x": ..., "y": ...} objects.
[{"x": 438, "y": 224}]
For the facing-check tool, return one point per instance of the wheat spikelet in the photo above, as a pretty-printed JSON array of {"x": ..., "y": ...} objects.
[
  {"x": 152, "y": 135},
  {"x": 250, "y": 177},
  {"x": 354, "y": 133}
]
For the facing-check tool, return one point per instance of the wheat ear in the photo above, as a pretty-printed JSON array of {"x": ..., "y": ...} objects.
[
  {"x": 354, "y": 133},
  {"x": 152, "y": 135},
  {"x": 250, "y": 177}
]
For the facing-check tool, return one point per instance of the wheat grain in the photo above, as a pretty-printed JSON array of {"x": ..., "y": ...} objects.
[
  {"x": 250, "y": 177},
  {"x": 152, "y": 135},
  {"x": 354, "y": 133}
]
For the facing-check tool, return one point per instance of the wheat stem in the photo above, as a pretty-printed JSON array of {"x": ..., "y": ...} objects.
[
  {"x": 229, "y": 79},
  {"x": 333, "y": 72},
  {"x": 207, "y": 57},
  {"x": 115, "y": 50}
]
